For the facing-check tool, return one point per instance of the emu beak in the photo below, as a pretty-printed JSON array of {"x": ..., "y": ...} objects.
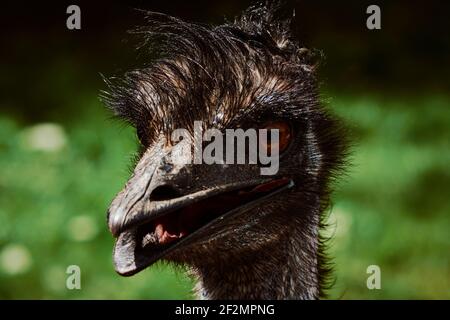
[{"x": 148, "y": 223}]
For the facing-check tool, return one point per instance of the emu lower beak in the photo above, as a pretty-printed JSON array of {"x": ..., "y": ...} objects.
[{"x": 148, "y": 228}]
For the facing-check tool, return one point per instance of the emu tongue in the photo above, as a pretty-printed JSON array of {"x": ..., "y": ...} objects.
[
  {"x": 167, "y": 231},
  {"x": 183, "y": 222},
  {"x": 179, "y": 223}
]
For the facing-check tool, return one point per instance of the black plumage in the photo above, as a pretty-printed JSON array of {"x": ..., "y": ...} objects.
[{"x": 241, "y": 74}]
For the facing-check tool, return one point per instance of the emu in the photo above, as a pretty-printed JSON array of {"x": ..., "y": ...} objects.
[{"x": 241, "y": 235}]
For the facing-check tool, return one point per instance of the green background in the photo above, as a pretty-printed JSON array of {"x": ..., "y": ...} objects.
[{"x": 62, "y": 158}]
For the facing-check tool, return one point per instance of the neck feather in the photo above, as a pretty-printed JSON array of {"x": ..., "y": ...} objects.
[{"x": 287, "y": 269}]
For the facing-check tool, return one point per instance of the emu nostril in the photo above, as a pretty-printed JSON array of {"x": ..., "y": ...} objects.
[{"x": 164, "y": 192}]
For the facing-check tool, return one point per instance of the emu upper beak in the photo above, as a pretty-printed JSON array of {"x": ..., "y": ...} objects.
[{"x": 149, "y": 223}]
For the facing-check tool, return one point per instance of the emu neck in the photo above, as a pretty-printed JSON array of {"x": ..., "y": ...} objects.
[{"x": 285, "y": 271}]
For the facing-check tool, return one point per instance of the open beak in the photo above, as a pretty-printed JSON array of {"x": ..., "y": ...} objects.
[{"x": 153, "y": 215}]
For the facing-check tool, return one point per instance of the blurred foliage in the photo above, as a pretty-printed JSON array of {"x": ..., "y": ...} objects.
[
  {"x": 62, "y": 159},
  {"x": 391, "y": 210}
]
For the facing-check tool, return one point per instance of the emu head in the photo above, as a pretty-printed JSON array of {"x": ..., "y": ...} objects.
[{"x": 247, "y": 74}]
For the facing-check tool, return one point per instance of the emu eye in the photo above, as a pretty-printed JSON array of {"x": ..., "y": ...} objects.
[{"x": 284, "y": 136}]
